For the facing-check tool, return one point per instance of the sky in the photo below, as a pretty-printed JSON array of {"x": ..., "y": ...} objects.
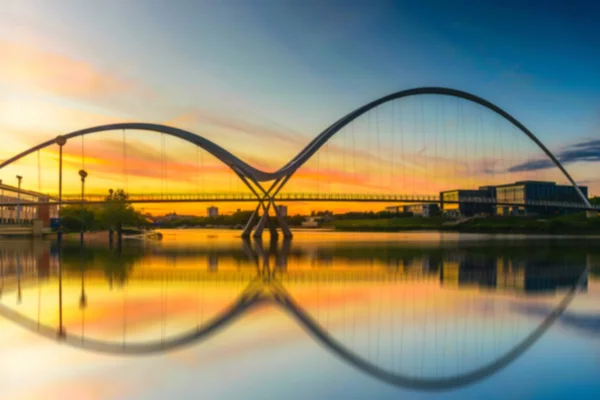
[{"x": 262, "y": 78}]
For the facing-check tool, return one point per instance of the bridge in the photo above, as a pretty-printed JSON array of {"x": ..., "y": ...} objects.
[
  {"x": 438, "y": 144},
  {"x": 157, "y": 198}
]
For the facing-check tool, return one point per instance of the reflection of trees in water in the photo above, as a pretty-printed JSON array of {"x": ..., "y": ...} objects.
[
  {"x": 116, "y": 264},
  {"x": 477, "y": 261},
  {"x": 267, "y": 288}
]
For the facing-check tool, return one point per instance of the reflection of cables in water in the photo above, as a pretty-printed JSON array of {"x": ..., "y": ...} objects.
[
  {"x": 124, "y": 315},
  {"x": 256, "y": 293},
  {"x": 163, "y": 327},
  {"x": 379, "y": 322}
]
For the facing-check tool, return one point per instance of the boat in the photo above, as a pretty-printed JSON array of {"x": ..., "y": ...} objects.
[{"x": 140, "y": 234}]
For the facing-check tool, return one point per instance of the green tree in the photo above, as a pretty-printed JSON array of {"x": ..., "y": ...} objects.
[
  {"x": 117, "y": 211},
  {"x": 76, "y": 217}
]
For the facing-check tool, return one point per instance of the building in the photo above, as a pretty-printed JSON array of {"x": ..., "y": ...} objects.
[
  {"x": 27, "y": 212},
  {"x": 212, "y": 212},
  {"x": 514, "y": 275},
  {"x": 283, "y": 210},
  {"x": 524, "y": 192},
  {"x": 393, "y": 209},
  {"x": 490, "y": 200},
  {"x": 422, "y": 209},
  {"x": 312, "y": 222},
  {"x": 460, "y": 203}
]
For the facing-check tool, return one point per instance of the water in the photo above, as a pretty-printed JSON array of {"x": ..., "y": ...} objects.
[{"x": 205, "y": 315}]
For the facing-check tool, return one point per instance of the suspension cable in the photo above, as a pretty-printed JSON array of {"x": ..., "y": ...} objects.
[
  {"x": 39, "y": 168},
  {"x": 125, "y": 177}
]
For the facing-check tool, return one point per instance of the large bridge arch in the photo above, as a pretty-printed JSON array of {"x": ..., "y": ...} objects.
[
  {"x": 305, "y": 154},
  {"x": 280, "y": 177},
  {"x": 236, "y": 164}
]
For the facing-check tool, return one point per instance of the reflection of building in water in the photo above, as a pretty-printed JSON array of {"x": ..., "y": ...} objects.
[
  {"x": 23, "y": 263},
  {"x": 213, "y": 262},
  {"x": 506, "y": 273},
  {"x": 532, "y": 276},
  {"x": 459, "y": 270}
]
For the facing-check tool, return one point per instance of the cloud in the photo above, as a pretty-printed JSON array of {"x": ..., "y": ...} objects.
[
  {"x": 29, "y": 69},
  {"x": 585, "y": 323},
  {"x": 268, "y": 131},
  {"x": 35, "y": 69},
  {"x": 588, "y": 151}
]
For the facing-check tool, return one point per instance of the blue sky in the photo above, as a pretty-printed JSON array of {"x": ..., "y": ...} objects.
[{"x": 291, "y": 68}]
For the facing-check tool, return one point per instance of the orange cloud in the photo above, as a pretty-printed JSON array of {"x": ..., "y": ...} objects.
[{"x": 34, "y": 69}]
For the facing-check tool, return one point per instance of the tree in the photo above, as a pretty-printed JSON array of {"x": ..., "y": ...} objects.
[
  {"x": 117, "y": 211},
  {"x": 76, "y": 217}
]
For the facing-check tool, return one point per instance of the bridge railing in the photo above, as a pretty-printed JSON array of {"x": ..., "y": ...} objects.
[{"x": 287, "y": 197}]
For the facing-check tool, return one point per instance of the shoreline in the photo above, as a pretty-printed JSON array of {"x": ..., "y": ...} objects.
[{"x": 485, "y": 230}]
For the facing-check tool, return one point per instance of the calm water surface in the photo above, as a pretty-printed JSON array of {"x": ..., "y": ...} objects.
[{"x": 203, "y": 314}]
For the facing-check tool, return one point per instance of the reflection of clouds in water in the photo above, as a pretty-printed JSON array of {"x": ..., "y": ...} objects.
[
  {"x": 473, "y": 310},
  {"x": 588, "y": 324}
]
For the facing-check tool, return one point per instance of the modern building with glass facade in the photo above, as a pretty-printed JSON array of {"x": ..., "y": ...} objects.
[
  {"x": 526, "y": 195},
  {"x": 467, "y": 205},
  {"x": 524, "y": 192}
]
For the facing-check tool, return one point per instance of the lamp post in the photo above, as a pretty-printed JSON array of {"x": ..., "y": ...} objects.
[
  {"x": 83, "y": 174},
  {"x": 60, "y": 141},
  {"x": 19, "y": 178}
]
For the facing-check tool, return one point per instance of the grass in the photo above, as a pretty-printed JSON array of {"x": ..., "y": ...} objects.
[
  {"x": 387, "y": 224},
  {"x": 565, "y": 224}
]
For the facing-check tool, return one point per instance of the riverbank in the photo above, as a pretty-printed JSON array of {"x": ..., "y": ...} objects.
[
  {"x": 570, "y": 224},
  {"x": 88, "y": 237}
]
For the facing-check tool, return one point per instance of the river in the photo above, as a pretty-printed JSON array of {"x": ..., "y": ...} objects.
[{"x": 203, "y": 314}]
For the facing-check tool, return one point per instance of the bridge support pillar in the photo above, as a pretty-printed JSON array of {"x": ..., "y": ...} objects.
[
  {"x": 266, "y": 222},
  {"x": 260, "y": 227},
  {"x": 250, "y": 224},
  {"x": 287, "y": 233}
]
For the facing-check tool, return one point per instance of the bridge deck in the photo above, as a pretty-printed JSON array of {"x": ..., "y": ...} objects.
[{"x": 301, "y": 197}]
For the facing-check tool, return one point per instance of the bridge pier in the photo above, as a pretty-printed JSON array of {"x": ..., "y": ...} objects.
[{"x": 265, "y": 222}]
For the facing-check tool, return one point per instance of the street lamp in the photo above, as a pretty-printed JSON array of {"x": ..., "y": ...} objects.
[
  {"x": 19, "y": 178},
  {"x": 83, "y": 175},
  {"x": 60, "y": 141}
]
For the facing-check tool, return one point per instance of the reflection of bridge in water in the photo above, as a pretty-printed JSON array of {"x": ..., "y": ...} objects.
[
  {"x": 29, "y": 263},
  {"x": 267, "y": 283}
]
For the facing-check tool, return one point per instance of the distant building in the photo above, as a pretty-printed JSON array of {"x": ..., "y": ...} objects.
[
  {"x": 393, "y": 209},
  {"x": 172, "y": 216},
  {"x": 283, "y": 210},
  {"x": 524, "y": 192},
  {"x": 312, "y": 222},
  {"x": 212, "y": 212},
  {"x": 422, "y": 209},
  {"x": 470, "y": 202},
  {"x": 484, "y": 200}
]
